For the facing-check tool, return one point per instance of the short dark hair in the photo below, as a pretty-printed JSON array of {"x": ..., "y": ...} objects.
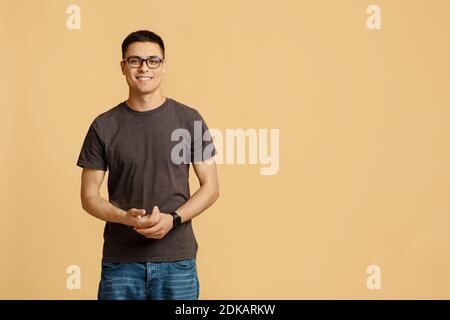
[{"x": 142, "y": 36}]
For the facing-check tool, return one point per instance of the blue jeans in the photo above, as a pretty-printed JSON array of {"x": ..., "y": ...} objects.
[{"x": 175, "y": 280}]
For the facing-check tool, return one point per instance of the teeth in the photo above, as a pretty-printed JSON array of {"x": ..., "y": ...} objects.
[{"x": 144, "y": 78}]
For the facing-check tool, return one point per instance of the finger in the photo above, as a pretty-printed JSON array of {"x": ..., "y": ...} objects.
[
  {"x": 140, "y": 231},
  {"x": 145, "y": 222},
  {"x": 155, "y": 210},
  {"x": 158, "y": 215},
  {"x": 143, "y": 232},
  {"x": 155, "y": 213},
  {"x": 137, "y": 212},
  {"x": 152, "y": 223},
  {"x": 148, "y": 231}
]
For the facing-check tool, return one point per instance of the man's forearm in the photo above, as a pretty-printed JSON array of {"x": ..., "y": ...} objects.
[
  {"x": 201, "y": 200},
  {"x": 103, "y": 210}
]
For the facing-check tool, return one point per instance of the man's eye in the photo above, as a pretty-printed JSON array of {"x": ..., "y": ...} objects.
[{"x": 134, "y": 60}]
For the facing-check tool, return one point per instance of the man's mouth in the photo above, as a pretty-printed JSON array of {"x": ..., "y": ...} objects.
[{"x": 144, "y": 78}]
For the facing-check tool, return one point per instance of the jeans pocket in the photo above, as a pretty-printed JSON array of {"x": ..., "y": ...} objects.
[
  {"x": 110, "y": 266},
  {"x": 186, "y": 264}
]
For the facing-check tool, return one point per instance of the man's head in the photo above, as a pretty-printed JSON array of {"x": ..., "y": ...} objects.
[{"x": 143, "y": 77}]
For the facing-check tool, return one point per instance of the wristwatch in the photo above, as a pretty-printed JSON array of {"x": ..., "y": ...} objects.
[{"x": 176, "y": 219}]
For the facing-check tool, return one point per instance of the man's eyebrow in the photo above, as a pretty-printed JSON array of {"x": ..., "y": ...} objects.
[{"x": 153, "y": 56}]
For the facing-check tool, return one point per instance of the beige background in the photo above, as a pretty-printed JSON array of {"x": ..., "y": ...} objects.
[{"x": 363, "y": 116}]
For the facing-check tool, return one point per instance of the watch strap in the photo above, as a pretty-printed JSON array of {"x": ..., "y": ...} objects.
[{"x": 176, "y": 219}]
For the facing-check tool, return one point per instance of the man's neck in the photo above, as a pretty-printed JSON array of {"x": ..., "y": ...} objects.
[{"x": 145, "y": 102}]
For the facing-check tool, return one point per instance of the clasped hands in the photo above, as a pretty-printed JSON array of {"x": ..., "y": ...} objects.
[{"x": 155, "y": 225}]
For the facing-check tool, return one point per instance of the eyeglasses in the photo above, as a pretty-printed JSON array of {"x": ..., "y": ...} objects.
[{"x": 152, "y": 62}]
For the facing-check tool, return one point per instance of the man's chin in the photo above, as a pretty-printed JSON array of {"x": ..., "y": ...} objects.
[{"x": 142, "y": 91}]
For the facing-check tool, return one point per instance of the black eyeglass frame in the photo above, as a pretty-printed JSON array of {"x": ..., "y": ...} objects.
[{"x": 142, "y": 61}]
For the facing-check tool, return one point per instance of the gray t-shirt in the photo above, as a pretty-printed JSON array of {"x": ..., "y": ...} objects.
[{"x": 148, "y": 166}]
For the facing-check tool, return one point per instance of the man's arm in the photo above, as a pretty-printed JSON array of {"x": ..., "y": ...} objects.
[
  {"x": 92, "y": 202},
  {"x": 206, "y": 195},
  {"x": 95, "y": 205}
]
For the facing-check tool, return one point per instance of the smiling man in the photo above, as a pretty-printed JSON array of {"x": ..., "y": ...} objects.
[{"x": 149, "y": 249}]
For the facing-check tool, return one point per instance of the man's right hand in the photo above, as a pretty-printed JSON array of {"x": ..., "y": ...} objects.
[{"x": 138, "y": 218}]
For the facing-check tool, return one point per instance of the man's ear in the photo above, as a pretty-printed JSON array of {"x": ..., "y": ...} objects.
[
  {"x": 122, "y": 65},
  {"x": 163, "y": 67}
]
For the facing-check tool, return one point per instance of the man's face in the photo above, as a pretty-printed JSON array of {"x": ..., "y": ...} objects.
[{"x": 143, "y": 80}]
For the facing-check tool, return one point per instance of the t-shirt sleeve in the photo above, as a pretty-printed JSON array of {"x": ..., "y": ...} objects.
[
  {"x": 92, "y": 154},
  {"x": 202, "y": 145}
]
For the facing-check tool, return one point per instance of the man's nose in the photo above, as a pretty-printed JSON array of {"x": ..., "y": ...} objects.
[{"x": 144, "y": 66}]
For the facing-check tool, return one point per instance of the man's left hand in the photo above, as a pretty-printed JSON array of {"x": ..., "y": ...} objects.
[{"x": 159, "y": 230}]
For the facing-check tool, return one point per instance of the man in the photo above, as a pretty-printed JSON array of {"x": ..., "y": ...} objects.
[{"x": 149, "y": 249}]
